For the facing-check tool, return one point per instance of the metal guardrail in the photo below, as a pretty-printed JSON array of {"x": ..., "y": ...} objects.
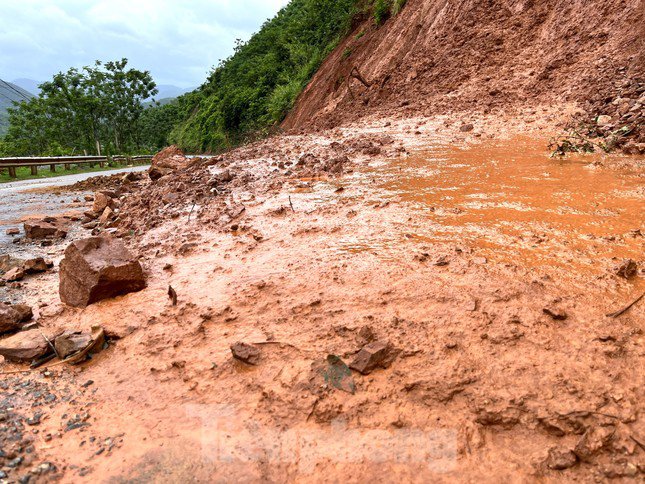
[{"x": 67, "y": 161}]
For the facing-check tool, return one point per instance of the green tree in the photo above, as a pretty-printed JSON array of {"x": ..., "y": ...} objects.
[{"x": 95, "y": 110}]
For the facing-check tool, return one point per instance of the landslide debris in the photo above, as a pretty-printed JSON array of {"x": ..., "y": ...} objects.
[
  {"x": 438, "y": 57},
  {"x": 98, "y": 268}
]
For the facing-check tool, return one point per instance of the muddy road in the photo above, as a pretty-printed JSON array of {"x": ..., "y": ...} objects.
[
  {"x": 488, "y": 266},
  {"x": 25, "y": 199}
]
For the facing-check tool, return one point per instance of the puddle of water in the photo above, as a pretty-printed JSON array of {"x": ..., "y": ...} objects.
[{"x": 514, "y": 203}]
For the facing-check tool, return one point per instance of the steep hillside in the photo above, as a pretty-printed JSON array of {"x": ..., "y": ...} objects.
[
  {"x": 9, "y": 93},
  {"x": 255, "y": 88},
  {"x": 438, "y": 56}
]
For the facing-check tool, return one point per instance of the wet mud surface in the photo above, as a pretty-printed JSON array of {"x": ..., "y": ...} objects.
[{"x": 485, "y": 265}]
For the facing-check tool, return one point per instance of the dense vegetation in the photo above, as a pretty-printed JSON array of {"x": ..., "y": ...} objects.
[
  {"x": 94, "y": 110},
  {"x": 254, "y": 89},
  {"x": 102, "y": 109}
]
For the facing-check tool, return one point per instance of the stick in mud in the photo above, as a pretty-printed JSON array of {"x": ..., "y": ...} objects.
[{"x": 626, "y": 308}]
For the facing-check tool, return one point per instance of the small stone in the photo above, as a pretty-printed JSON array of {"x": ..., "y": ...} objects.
[
  {"x": 465, "y": 128},
  {"x": 13, "y": 315},
  {"x": 245, "y": 352},
  {"x": 625, "y": 268},
  {"x": 13, "y": 231},
  {"x": 559, "y": 459},
  {"x": 101, "y": 202},
  {"x": 603, "y": 120},
  {"x": 442, "y": 261},
  {"x": 44, "y": 229},
  {"x": 593, "y": 440},
  {"x": 379, "y": 354},
  {"x": 555, "y": 313},
  {"x": 107, "y": 215}
]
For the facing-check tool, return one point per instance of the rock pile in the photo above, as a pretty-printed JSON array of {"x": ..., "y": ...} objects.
[{"x": 167, "y": 161}]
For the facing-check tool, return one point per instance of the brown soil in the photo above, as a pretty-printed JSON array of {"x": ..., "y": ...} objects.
[
  {"x": 423, "y": 212},
  {"x": 440, "y": 57},
  {"x": 487, "y": 264}
]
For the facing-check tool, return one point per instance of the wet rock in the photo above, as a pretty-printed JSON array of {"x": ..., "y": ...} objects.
[
  {"x": 559, "y": 459},
  {"x": 98, "y": 268},
  {"x": 625, "y": 268},
  {"x": 556, "y": 313},
  {"x": 13, "y": 231},
  {"x": 24, "y": 346},
  {"x": 36, "y": 265},
  {"x": 379, "y": 354},
  {"x": 44, "y": 229},
  {"x": 101, "y": 202},
  {"x": 71, "y": 342},
  {"x": 106, "y": 216},
  {"x": 13, "y": 315},
  {"x": 465, "y": 128},
  {"x": 167, "y": 161},
  {"x": 13, "y": 275},
  {"x": 593, "y": 441},
  {"x": 245, "y": 352}
]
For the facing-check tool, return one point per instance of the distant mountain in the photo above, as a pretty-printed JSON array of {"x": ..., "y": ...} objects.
[
  {"x": 9, "y": 93},
  {"x": 28, "y": 85},
  {"x": 169, "y": 91}
]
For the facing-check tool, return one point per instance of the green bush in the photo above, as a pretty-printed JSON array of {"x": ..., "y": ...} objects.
[
  {"x": 381, "y": 11},
  {"x": 254, "y": 89}
]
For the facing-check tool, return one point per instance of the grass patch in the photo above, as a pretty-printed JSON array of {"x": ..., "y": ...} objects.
[{"x": 24, "y": 173}]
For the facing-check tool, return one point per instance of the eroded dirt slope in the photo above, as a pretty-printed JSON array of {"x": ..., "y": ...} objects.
[{"x": 441, "y": 56}]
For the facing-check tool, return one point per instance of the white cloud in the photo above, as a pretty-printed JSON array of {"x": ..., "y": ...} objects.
[{"x": 178, "y": 41}]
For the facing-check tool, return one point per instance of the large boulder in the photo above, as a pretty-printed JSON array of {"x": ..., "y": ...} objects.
[
  {"x": 98, "y": 268},
  {"x": 13, "y": 315},
  {"x": 167, "y": 161}
]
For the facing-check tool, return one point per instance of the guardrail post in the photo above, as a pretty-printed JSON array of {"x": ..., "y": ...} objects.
[
  {"x": 12, "y": 172},
  {"x": 52, "y": 168},
  {"x": 34, "y": 170},
  {"x": 102, "y": 163},
  {"x": 68, "y": 166}
]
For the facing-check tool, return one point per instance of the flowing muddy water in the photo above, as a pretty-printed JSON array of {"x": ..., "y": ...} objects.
[{"x": 513, "y": 203}]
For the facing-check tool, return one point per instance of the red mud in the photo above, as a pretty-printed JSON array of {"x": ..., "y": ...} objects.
[{"x": 488, "y": 265}]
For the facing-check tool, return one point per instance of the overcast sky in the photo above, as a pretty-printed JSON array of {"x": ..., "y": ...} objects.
[{"x": 177, "y": 40}]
